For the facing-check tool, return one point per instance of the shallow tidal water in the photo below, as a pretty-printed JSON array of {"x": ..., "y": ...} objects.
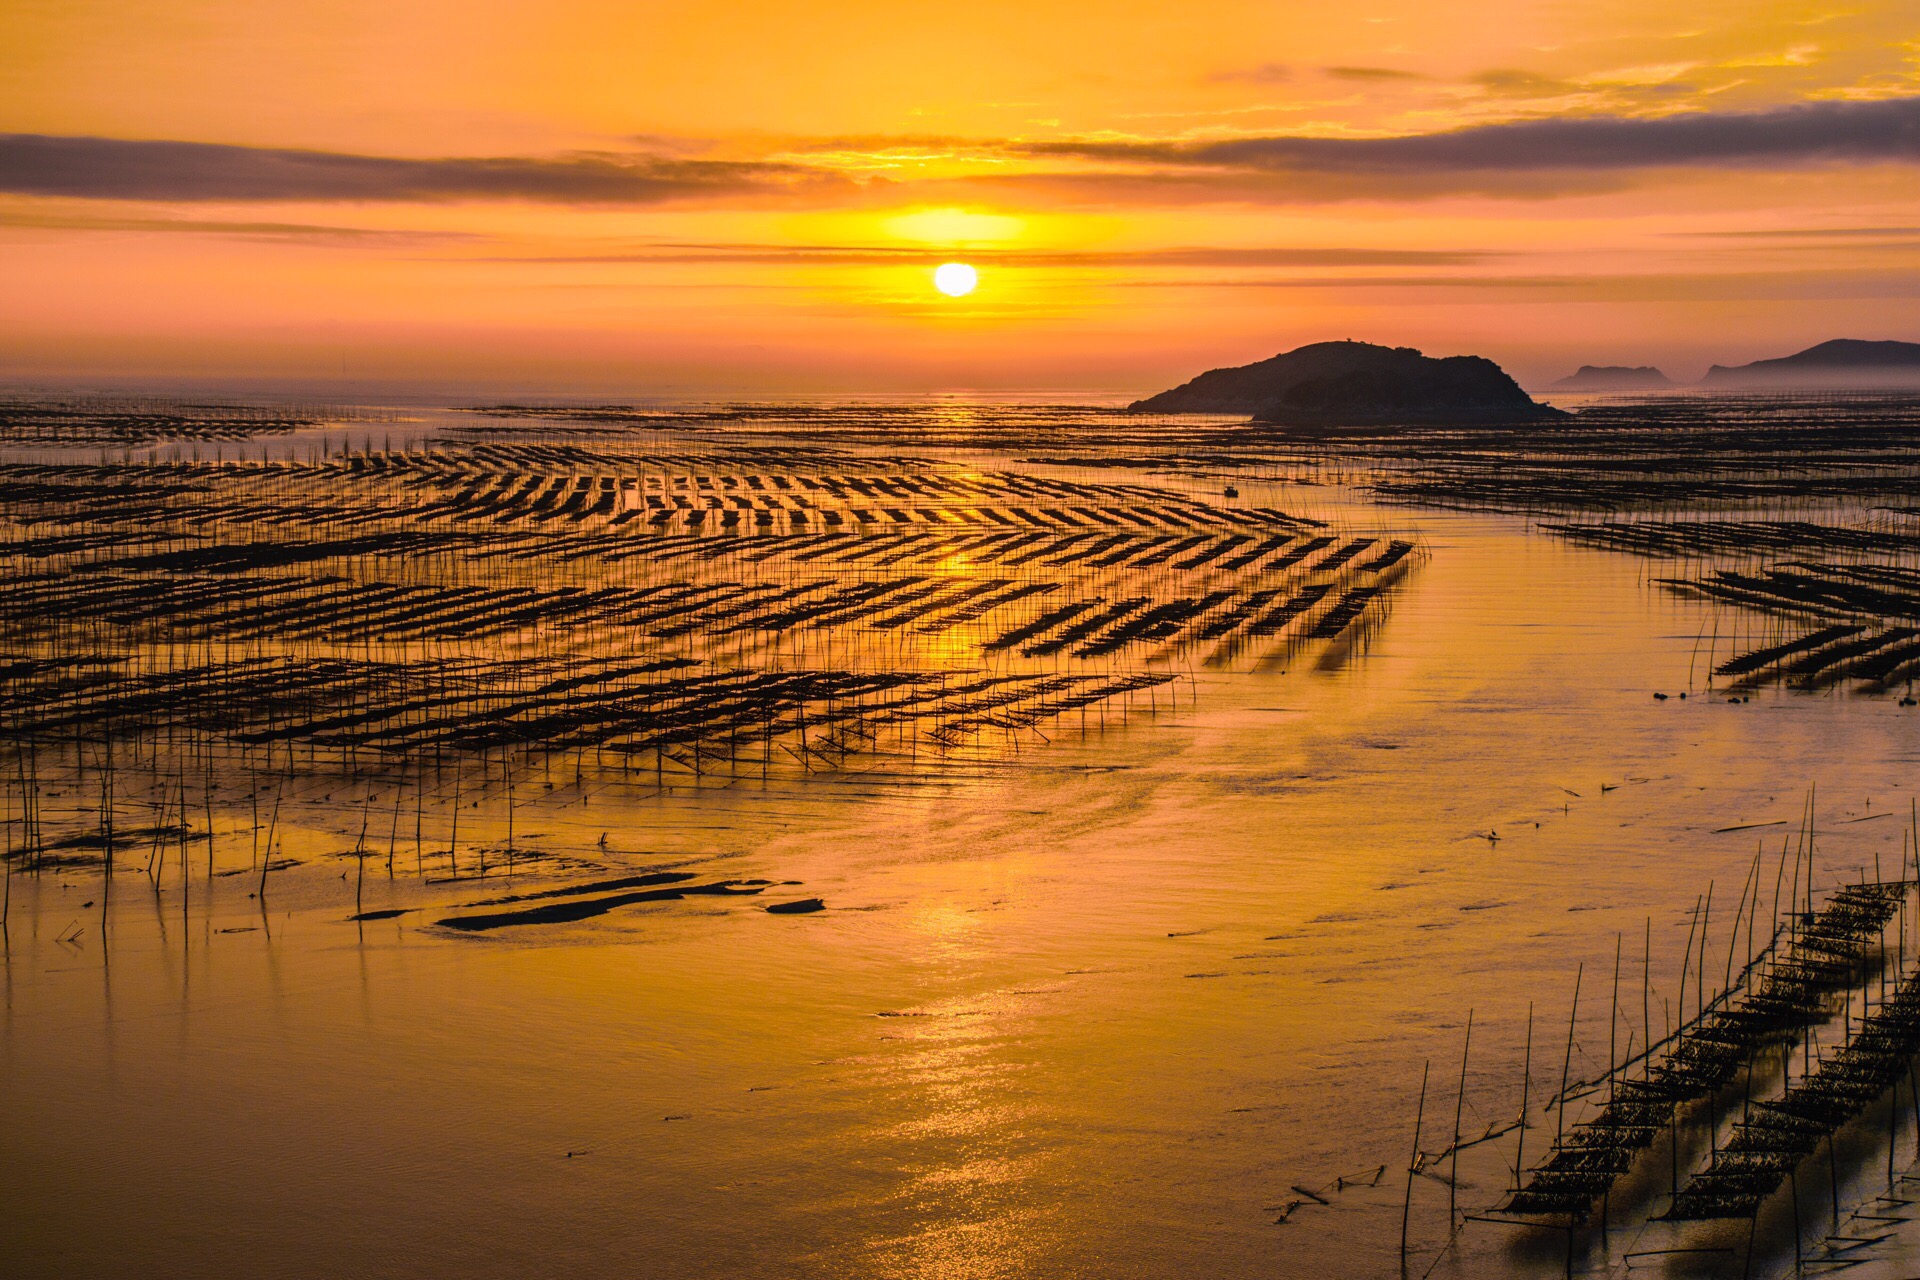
[{"x": 1094, "y": 1007}]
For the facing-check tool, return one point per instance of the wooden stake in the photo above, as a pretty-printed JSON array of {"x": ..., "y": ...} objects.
[
  {"x": 1459, "y": 1107},
  {"x": 1413, "y": 1165},
  {"x": 1526, "y": 1080}
]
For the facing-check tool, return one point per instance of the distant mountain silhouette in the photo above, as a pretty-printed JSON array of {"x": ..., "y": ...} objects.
[
  {"x": 1843, "y": 362},
  {"x": 1356, "y": 384},
  {"x": 1614, "y": 377}
]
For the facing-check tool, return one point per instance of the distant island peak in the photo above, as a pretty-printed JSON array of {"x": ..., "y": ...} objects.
[
  {"x": 1838, "y": 363},
  {"x": 1614, "y": 377},
  {"x": 1349, "y": 383}
]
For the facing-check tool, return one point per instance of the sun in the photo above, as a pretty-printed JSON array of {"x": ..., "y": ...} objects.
[{"x": 955, "y": 279}]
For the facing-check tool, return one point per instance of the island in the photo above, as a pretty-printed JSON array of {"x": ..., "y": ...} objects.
[
  {"x": 1330, "y": 384},
  {"x": 1839, "y": 364},
  {"x": 1614, "y": 377}
]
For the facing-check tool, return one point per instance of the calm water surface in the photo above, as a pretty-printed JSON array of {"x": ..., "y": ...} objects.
[{"x": 1091, "y": 1009}]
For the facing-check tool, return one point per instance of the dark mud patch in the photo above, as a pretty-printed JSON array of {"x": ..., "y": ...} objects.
[
  {"x": 125, "y": 837},
  {"x": 643, "y": 881},
  {"x": 73, "y": 850},
  {"x": 57, "y": 861},
  {"x": 280, "y": 865},
  {"x": 568, "y": 912}
]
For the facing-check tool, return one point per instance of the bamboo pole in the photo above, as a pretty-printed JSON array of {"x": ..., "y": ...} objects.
[
  {"x": 1413, "y": 1165},
  {"x": 1459, "y": 1106}
]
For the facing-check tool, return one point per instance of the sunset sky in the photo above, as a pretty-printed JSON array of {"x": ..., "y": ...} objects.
[{"x": 590, "y": 197}]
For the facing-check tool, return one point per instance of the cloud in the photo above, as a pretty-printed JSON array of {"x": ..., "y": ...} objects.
[
  {"x": 1281, "y": 256},
  {"x": 1810, "y": 133},
  {"x": 1371, "y": 73},
  {"x": 1799, "y": 233},
  {"x": 119, "y": 169},
  {"x": 292, "y": 231},
  {"x": 881, "y": 143},
  {"x": 1771, "y": 286},
  {"x": 1265, "y": 73},
  {"x": 1539, "y": 157},
  {"x": 1800, "y": 55},
  {"x": 1506, "y": 82}
]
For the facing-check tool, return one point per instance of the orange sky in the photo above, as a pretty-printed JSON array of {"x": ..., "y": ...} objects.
[{"x": 599, "y": 197}]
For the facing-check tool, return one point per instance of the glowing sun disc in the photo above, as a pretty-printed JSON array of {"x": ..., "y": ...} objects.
[{"x": 955, "y": 279}]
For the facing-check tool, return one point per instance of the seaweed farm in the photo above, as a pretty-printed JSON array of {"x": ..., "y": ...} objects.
[
  {"x": 1780, "y": 453},
  {"x": 1838, "y": 615},
  {"x": 102, "y": 421},
  {"x": 847, "y": 642},
  {"x": 668, "y": 605},
  {"x": 958, "y": 838}
]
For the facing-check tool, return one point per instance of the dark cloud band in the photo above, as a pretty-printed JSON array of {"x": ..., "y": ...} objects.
[
  {"x": 119, "y": 169},
  {"x": 1539, "y": 156},
  {"x": 1284, "y": 256},
  {"x": 1885, "y": 130}
]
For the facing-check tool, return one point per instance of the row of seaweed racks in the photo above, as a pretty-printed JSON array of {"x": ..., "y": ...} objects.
[
  {"x": 1789, "y": 989},
  {"x": 1774, "y": 1135}
]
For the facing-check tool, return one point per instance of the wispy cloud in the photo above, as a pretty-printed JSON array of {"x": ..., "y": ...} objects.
[
  {"x": 1690, "y": 287},
  {"x": 1371, "y": 73},
  {"x": 1801, "y": 134},
  {"x": 1507, "y": 82},
  {"x": 1265, "y": 73},
  {"x": 290, "y": 231},
  {"x": 1279, "y": 256},
  {"x": 114, "y": 168},
  {"x": 1535, "y": 157},
  {"x": 1805, "y": 233}
]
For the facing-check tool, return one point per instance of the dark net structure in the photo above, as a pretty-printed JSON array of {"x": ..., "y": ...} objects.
[
  {"x": 1769, "y": 1144},
  {"x": 1790, "y": 987}
]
